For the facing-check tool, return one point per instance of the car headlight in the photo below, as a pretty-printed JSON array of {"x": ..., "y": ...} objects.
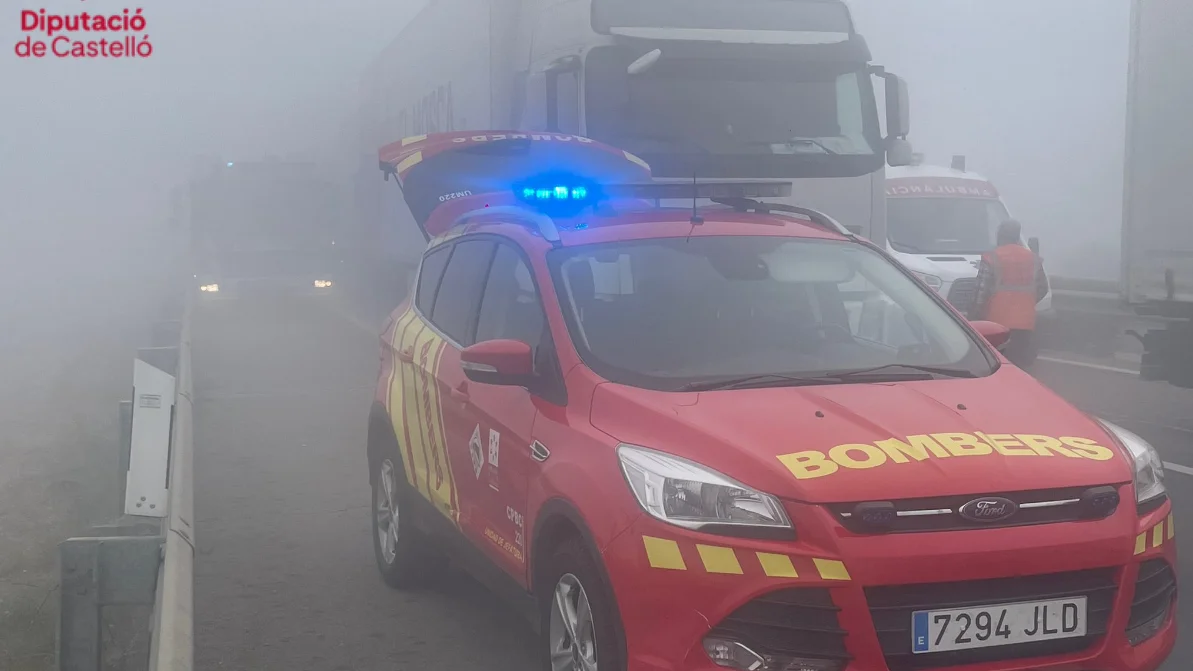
[
  {"x": 1149, "y": 468},
  {"x": 931, "y": 280},
  {"x": 322, "y": 284},
  {"x": 210, "y": 288},
  {"x": 686, "y": 494}
]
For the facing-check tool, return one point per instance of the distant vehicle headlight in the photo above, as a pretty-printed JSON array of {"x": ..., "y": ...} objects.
[
  {"x": 322, "y": 284},
  {"x": 210, "y": 288}
]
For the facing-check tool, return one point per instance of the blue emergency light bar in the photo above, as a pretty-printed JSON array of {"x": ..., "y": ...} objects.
[
  {"x": 571, "y": 194},
  {"x": 554, "y": 194}
]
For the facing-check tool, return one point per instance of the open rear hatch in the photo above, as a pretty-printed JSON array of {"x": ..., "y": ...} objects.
[{"x": 444, "y": 176}]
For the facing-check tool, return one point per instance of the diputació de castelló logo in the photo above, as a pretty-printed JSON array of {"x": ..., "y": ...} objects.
[{"x": 98, "y": 34}]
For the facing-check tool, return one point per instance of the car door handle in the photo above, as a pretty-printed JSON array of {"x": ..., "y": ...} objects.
[
  {"x": 406, "y": 355},
  {"x": 460, "y": 393}
]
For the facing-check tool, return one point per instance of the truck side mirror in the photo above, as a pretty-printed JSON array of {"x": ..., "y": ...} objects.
[
  {"x": 898, "y": 106},
  {"x": 1033, "y": 244},
  {"x": 898, "y": 152},
  {"x": 898, "y": 119}
]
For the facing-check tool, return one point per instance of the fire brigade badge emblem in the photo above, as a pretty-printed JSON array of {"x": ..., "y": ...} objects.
[{"x": 478, "y": 455}]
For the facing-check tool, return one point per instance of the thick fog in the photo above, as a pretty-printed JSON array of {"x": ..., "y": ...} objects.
[
  {"x": 1031, "y": 92},
  {"x": 89, "y": 148}
]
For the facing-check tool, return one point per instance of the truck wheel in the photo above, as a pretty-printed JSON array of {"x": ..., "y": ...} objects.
[
  {"x": 403, "y": 552},
  {"x": 579, "y": 630}
]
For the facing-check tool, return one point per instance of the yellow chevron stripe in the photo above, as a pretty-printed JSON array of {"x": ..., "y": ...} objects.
[
  {"x": 776, "y": 566},
  {"x": 831, "y": 569},
  {"x": 663, "y": 553},
  {"x": 719, "y": 559},
  {"x": 409, "y": 162}
]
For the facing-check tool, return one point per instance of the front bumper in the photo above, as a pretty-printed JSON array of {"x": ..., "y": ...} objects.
[{"x": 674, "y": 587}]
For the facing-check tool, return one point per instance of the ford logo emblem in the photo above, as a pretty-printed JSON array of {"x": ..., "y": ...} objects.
[{"x": 989, "y": 509}]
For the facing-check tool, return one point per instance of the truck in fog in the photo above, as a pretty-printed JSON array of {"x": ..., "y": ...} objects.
[
  {"x": 264, "y": 227},
  {"x": 939, "y": 223},
  {"x": 1157, "y": 232},
  {"x": 699, "y": 89}
]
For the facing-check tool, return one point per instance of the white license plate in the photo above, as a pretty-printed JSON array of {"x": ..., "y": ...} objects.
[{"x": 1004, "y": 624}]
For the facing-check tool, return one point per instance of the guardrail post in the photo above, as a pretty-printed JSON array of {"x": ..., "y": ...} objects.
[{"x": 154, "y": 393}]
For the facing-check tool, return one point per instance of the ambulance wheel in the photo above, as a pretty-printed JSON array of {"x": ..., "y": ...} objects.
[
  {"x": 578, "y": 626},
  {"x": 403, "y": 552}
]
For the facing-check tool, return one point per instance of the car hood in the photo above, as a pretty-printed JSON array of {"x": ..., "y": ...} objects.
[{"x": 865, "y": 442}]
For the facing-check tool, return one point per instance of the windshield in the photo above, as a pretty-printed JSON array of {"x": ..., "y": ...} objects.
[
  {"x": 665, "y": 313},
  {"x": 722, "y": 15},
  {"x": 943, "y": 225},
  {"x": 736, "y": 117}
]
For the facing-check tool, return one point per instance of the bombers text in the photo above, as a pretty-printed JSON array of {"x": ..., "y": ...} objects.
[{"x": 860, "y": 456}]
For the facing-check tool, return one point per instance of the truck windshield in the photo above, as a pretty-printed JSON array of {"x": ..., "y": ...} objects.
[
  {"x": 736, "y": 117},
  {"x": 943, "y": 225},
  {"x": 667, "y": 313},
  {"x": 784, "y": 15}
]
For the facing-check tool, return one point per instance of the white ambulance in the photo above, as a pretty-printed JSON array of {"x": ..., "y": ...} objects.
[{"x": 939, "y": 223}]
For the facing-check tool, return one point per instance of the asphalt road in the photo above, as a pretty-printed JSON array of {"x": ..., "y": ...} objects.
[{"x": 285, "y": 577}]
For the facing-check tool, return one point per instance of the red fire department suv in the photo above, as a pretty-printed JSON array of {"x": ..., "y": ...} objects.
[{"x": 737, "y": 437}]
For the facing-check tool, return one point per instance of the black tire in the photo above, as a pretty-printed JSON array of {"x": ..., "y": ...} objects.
[
  {"x": 414, "y": 561},
  {"x": 571, "y": 559}
]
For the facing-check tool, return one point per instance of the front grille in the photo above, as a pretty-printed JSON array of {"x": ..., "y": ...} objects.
[
  {"x": 891, "y": 608},
  {"x": 1155, "y": 588},
  {"x": 940, "y": 513},
  {"x": 963, "y": 294},
  {"x": 795, "y": 622}
]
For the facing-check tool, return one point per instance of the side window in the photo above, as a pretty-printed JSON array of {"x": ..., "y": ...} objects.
[
  {"x": 428, "y": 278},
  {"x": 511, "y": 308},
  {"x": 461, "y": 288},
  {"x": 533, "y": 115},
  {"x": 518, "y": 99},
  {"x": 567, "y": 102}
]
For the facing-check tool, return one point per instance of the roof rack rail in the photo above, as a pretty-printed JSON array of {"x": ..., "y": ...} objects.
[{"x": 819, "y": 218}]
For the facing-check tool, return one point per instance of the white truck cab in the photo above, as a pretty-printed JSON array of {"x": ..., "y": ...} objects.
[{"x": 939, "y": 223}]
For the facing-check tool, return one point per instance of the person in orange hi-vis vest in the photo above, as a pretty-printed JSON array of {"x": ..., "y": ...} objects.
[{"x": 1010, "y": 283}]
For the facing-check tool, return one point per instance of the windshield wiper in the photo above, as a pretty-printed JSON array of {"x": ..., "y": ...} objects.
[
  {"x": 916, "y": 372},
  {"x": 757, "y": 381}
]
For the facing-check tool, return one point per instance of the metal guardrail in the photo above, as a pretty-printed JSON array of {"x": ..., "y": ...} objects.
[{"x": 145, "y": 558}]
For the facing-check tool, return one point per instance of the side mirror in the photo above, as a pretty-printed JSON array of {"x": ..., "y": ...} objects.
[
  {"x": 501, "y": 362},
  {"x": 1033, "y": 244},
  {"x": 898, "y": 152},
  {"x": 898, "y": 106},
  {"x": 996, "y": 334}
]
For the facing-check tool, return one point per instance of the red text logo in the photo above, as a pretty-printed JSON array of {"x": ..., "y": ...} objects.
[{"x": 116, "y": 34}]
